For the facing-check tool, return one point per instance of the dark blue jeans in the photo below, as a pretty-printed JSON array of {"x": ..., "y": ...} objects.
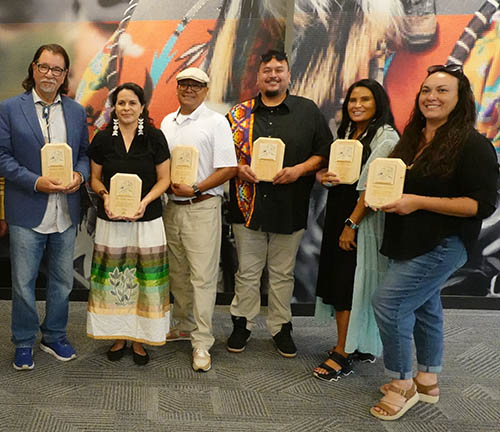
[
  {"x": 408, "y": 306},
  {"x": 26, "y": 251}
]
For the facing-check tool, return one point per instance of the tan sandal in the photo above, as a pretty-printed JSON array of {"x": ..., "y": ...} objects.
[
  {"x": 423, "y": 391},
  {"x": 393, "y": 397}
]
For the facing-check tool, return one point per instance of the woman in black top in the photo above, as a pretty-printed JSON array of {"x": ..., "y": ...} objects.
[
  {"x": 129, "y": 298},
  {"x": 367, "y": 117},
  {"x": 450, "y": 186}
]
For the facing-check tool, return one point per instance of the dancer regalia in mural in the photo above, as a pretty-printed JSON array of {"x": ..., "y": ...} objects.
[{"x": 333, "y": 44}]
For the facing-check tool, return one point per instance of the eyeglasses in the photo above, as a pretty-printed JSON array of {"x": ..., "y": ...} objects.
[
  {"x": 278, "y": 55},
  {"x": 196, "y": 87},
  {"x": 45, "y": 68},
  {"x": 452, "y": 67}
]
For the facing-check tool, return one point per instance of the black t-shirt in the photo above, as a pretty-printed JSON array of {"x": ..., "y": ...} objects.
[
  {"x": 300, "y": 124},
  {"x": 146, "y": 151},
  {"x": 475, "y": 176}
]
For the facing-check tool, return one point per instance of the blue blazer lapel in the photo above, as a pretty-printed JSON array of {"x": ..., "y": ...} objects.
[
  {"x": 29, "y": 111},
  {"x": 69, "y": 119}
]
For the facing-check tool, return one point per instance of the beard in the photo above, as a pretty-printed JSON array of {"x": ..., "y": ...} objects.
[
  {"x": 47, "y": 86},
  {"x": 271, "y": 93}
]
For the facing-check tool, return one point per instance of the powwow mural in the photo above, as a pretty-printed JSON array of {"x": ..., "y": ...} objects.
[{"x": 331, "y": 44}]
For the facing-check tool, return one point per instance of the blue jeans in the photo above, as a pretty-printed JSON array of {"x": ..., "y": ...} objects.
[
  {"x": 408, "y": 305},
  {"x": 26, "y": 252}
]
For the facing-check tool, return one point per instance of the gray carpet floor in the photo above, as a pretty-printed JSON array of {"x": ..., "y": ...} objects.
[{"x": 257, "y": 390}]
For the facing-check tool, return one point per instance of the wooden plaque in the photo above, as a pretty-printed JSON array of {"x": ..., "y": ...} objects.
[
  {"x": 386, "y": 177},
  {"x": 345, "y": 160},
  {"x": 184, "y": 165},
  {"x": 125, "y": 194},
  {"x": 267, "y": 157},
  {"x": 57, "y": 162}
]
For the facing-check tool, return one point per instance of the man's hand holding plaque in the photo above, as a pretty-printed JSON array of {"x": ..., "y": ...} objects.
[
  {"x": 246, "y": 173},
  {"x": 75, "y": 184},
  {"x": 345, "y": 160},
  {"x": 386, "y": 178}
]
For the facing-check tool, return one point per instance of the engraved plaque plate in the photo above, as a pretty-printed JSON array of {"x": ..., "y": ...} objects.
[
  {"x": 57, "y": 162},
  {"x": 125, "y": 194},
  {"x": 386, "y": 178},
  {"x": 267, "y": 158},
  {"x": 184, "y": 165},
  {"x": 345, "y": 160}
]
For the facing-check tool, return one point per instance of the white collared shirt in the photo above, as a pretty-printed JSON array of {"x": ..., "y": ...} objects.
[
  {"x": 56, "y": 217},
  {"x": 210, "y": 133}
]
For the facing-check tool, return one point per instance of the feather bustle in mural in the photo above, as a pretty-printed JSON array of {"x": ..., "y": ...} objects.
[{"x": 102, "y": 75}]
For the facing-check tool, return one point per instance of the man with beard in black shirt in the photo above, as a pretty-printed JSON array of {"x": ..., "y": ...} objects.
[{"x": 269, "y": 218}]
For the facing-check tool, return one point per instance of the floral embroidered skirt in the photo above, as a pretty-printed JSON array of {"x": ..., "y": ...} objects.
[{"x": 129, "y": 295}]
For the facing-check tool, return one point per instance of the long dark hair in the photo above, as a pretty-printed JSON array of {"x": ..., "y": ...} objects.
[
  {"x": 29, "y": 81},
  {"x": 383, "y": 114},
  {"x": 139, "y": 92},
  {"x": 441, "y": 155}
]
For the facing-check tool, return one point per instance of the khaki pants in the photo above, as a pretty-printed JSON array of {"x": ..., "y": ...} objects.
[
  {"x": 255, "y": 250},
  {"x": 194, "y": 241}
]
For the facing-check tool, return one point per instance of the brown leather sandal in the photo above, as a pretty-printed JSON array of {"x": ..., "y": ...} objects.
[
  {"x": 423, "y": 391},
  {"x": 393, "y": 397}
]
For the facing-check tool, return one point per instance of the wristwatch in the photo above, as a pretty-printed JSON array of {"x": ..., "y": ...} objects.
[
  {"x": 196, "y": 190},
  {"x": 351, "y": 224}
]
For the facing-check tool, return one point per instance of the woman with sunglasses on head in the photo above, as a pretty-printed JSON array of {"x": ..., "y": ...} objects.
[
  {"x": 342, "y": 285},
  {"x": 450, "y": 186},
  {"x": 129, "y": 298}
]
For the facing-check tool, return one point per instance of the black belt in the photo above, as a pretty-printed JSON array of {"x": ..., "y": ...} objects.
[{"x": 193, "y": 200}]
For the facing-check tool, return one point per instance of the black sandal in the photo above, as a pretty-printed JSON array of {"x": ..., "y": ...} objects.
[
  {"x": 363, "y": 357},
  {"x": 333, "y": 375}
]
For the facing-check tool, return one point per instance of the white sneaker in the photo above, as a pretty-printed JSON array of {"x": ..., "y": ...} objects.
[{"x": 201, "y": 360}]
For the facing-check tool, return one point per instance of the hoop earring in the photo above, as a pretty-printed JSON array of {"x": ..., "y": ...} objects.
[
  {"x": 140, "y": 126},
  {"x": 115, "y": 127}
]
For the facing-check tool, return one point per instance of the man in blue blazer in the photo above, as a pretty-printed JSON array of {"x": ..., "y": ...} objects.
[{"x": 42, "y": 214}]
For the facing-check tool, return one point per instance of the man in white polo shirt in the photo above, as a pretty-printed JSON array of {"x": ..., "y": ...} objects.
[{"x": 193, "y": 213}]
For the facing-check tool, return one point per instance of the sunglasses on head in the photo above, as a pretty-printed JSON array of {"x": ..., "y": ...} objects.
[
  {"x": 453, "y": 68},
  {"x": 278, "y": 55}
]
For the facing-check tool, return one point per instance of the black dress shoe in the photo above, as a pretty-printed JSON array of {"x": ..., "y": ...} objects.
[
  {"x": 141, "y": 360},
  {"x": 116, "y": 354}
]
